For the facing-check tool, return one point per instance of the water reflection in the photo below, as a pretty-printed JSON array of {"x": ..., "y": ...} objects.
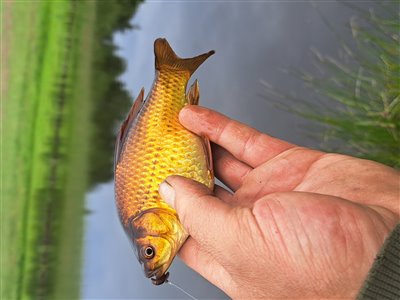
[{"x": 253, "y": 42}]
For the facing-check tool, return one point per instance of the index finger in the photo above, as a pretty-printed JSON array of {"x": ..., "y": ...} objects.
[{"x": 245, "y": 143}]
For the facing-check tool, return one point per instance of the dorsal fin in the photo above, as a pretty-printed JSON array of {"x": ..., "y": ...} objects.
[
  {"x": 123, "y": 130},
  {"x": 193, "y": 95},
  {"x": 167, "y": 59}
]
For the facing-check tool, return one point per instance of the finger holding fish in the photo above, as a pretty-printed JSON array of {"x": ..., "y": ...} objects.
[
  {"x": 244, "y": 143},
  {"x": 204, "y": 216}
]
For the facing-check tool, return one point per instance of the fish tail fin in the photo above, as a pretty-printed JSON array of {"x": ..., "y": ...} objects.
[{"x": 167, "y": 59}]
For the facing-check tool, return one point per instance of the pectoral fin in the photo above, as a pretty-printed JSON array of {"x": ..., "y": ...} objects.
[{"x": 123, "y": 130}]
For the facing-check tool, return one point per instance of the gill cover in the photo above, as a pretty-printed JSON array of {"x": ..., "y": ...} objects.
[{"x": 157, "y": 236}]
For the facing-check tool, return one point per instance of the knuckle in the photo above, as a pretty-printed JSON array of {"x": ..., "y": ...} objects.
[
  {"x": 249, "y": 141},
  {"x": 220, "y": 128}
]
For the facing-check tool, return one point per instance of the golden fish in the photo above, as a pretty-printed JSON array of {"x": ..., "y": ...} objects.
[{"x": 152, "y": 145}]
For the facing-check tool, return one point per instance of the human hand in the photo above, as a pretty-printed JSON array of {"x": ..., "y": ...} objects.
[{"x": 300, "y": 224}]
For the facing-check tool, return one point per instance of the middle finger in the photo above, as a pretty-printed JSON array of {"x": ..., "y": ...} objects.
[{"x": 229, "y": 169}]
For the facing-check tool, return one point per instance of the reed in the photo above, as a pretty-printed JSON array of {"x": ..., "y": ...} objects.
[{"x": 355, "y": 97}]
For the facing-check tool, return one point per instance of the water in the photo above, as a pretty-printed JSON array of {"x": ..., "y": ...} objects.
[{"x": 254, "y": 41}]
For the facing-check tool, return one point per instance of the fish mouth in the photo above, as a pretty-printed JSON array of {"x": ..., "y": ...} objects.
[
  {"x": 161, "y": 280},
  {"x": 157, "y": 276}
]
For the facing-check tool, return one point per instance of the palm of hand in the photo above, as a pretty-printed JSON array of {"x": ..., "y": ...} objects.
[
  {"x": 322, "y": 214},
  {"x": 312, "y": 222}
]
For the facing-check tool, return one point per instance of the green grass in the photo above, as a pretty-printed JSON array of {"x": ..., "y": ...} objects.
[
  {"x": 68, "y": 270},
  {"x": 61, "y": 100},
  {"x": 42, "y": 192},
  {"x": 356, "y": 97},
  {"x": 18, "y": 103}
]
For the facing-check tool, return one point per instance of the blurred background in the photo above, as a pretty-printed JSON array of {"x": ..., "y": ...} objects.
[{"x": 321, "y": 74}]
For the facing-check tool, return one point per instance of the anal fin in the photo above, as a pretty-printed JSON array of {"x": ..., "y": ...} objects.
[
  {"x": 193, "y": 94},
  {"x": 209, "y": 161},
  {"x": 193, "y": 97}
]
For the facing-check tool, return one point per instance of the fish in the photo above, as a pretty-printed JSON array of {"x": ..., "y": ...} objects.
[{"x": 152, "y": 145}]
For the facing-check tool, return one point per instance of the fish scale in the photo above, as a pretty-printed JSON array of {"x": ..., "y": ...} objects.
[
  {"x": 151, "y": 146},
  {"x": 159, "y": 146}
]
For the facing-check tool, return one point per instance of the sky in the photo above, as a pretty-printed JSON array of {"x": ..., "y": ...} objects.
[{"x": 254, "y": 42}]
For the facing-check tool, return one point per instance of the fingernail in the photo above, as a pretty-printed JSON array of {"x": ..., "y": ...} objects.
[{"x": 167, "y": 192}]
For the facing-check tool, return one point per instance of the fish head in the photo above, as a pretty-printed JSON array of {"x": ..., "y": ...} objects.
[{"x": 157, "y": 236}]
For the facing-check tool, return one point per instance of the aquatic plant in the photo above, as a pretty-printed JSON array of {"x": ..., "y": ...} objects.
[{"x": 356, "y": 97}]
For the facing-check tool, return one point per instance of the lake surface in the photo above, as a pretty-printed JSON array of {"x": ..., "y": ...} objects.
[{"x": 254, "y": 41}]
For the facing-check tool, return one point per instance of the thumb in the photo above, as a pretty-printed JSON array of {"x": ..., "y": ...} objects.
[{"x": 204, "y": 216}]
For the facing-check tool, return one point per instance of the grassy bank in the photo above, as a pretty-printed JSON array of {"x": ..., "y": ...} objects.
[
  {"x": 60, "y": 103},
  {"x": 45, "y": 138}
]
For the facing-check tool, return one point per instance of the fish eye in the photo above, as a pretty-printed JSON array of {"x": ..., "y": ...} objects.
[{"x": 148, "y": 252}]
